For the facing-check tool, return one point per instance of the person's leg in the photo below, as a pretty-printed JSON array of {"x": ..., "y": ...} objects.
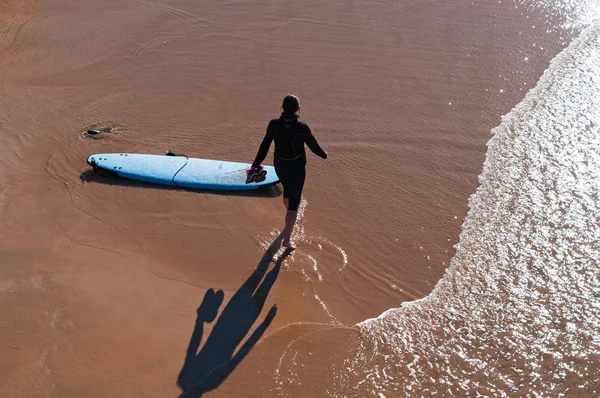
[
  {"x": 291, "y": 215},
  {"x": 290, "y": 221},
  {"x": 283, "y": 174}
]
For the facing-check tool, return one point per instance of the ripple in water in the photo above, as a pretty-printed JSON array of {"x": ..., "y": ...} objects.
[
  {"x": 317, "y": 258},
  {"x": 519, "y": 309}
]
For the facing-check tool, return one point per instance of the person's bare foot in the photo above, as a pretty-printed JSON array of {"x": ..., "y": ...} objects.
[{"x": 289, "y": 245}]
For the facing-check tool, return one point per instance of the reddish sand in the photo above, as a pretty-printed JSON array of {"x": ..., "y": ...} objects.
[{"x": 100, "y": 278}]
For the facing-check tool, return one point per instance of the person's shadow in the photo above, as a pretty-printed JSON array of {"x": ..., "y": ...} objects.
[{"x": 205, "y": 370}]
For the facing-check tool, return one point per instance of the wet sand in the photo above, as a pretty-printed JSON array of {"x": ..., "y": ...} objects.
[{"x": 100, "y": 278}]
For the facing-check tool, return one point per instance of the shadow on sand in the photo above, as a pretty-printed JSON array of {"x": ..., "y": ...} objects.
[
  {"x": 107, "y": 178},
  {"x": 206, "y": 369}
]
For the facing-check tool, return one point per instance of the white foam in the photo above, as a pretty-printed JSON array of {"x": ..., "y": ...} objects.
[
  {"x": 518, "y": 310},
  {"x": 577, "y": 14}
]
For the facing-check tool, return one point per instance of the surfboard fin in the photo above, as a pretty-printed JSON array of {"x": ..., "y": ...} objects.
[
  {"x": 169, "y": 153},
  {"x": 94, "y": 166}
]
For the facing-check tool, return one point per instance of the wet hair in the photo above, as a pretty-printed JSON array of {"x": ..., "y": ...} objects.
[{"x": 291, "y": 104}]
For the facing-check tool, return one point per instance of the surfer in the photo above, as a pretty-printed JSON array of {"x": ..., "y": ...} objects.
[{"x": 289, "y": 158}]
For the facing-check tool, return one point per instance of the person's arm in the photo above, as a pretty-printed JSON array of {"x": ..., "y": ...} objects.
[
  {"x": 264, "y": 147},
  {"x": 314, "y": 146}
]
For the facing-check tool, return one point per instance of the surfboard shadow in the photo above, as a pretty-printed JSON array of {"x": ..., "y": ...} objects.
[
  {"x": 270, "y": 191},
  {"x": 205, "y": 369}
]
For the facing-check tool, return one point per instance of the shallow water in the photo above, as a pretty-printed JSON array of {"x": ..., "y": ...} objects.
[
  {"x": 519, "y": 309},
  {"x": 402, "y": 95}
]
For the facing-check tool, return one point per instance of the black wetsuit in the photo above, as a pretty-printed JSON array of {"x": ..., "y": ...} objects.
[{"x": 289, "y": 135}]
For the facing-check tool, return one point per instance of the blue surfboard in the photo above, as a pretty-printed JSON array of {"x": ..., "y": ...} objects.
[{"x": 181, "y": 171}]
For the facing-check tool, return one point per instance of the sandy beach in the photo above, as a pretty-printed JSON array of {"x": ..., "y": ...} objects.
[{"x": 105, "y": 283}]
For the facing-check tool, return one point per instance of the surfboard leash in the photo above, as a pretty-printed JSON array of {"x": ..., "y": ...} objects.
[{"x": 169, "y": 153}]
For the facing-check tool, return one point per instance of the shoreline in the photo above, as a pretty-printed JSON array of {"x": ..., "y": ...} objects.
[{"x": 84, "y": 259}]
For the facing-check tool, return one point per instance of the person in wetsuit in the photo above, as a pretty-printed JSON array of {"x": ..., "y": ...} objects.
[{"x": 289, "y": 135}]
